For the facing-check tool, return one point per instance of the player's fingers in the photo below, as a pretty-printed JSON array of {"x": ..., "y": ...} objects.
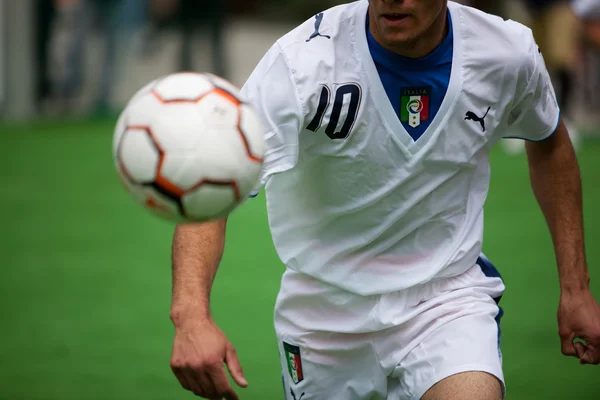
[
  {"x": 206, "y": 389},
  {"x": 178, "y": 372},
  {"x": 200, "y": 386},
  {"x": 235, "y": 368},
  {"x": 588, "y": 354},
  {"x": 580, "y": 350},
  {"x": 219, "y": 380},
  {"x": 567, "y": 347}
]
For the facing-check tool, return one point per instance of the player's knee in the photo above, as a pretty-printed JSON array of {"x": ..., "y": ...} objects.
[{"x": 466, "y": 386}]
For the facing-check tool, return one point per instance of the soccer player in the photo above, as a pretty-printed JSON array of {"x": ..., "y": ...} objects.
[{"x": 379, "y": 118}]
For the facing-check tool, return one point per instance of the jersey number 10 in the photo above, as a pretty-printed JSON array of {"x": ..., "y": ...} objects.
[{"x": 349, "y": 91}]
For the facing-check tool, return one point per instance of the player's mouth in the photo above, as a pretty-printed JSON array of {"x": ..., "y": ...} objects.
[{"x": 395, "y": 19}]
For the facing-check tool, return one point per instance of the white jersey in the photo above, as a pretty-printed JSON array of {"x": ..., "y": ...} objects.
[{"x": 352, "y": 199}]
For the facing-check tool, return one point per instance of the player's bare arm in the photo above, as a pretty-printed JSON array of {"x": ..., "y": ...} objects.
[
  {"x": 200, "y": 348},
  {"x": 556, "y": 182}
]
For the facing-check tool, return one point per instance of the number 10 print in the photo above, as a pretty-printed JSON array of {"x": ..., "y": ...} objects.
[{"x": 351, "y": 91}]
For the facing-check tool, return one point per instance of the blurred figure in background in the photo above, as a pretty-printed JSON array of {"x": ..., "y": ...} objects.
[
  {"x": 162, "y": 15},
  {"x": 205, "y": 16},
  {"x": 588, "y": 12},
  {"x": 189, "y": 17},
  {"x": 70, "y": 32},
  {"x": 555, "y": 29},
  {"x": 44, "y": 16}
]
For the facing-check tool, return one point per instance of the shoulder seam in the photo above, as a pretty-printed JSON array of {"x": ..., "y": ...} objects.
[
  {"x": 531, "y": 79},
  {"x": 299, "y": 101}
]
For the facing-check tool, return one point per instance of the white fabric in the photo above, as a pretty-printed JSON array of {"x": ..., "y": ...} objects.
[
  {"x": 440, "y": 328},
  {"x": 377, "y": 212}
]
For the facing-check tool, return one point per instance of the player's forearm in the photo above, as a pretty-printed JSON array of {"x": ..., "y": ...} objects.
[
  {"x": 197, "y": 251},
  {"x": 556, "y": 182}
]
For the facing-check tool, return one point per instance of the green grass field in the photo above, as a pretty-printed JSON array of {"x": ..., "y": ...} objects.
[{"x": 85, "y": 281}]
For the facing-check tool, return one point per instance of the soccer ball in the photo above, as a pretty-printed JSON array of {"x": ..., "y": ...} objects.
[{"x": 188, "y": 148}]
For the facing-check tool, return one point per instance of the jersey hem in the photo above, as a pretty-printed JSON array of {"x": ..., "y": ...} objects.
[{"x": 546, "y": 137}]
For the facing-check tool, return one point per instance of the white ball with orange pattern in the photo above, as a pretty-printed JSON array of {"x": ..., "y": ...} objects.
[{"x": 188, "y": 148}]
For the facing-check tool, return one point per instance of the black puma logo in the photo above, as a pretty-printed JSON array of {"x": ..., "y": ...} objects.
[
  {"x": 294, "y": 395},
  {"x": 319, "y": 20},
  {"x": 471, "y": 116}
]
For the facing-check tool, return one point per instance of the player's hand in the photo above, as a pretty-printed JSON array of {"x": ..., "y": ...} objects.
[
  {"x": 579, "y": 318},
  {"x": 199, "y": 354}
]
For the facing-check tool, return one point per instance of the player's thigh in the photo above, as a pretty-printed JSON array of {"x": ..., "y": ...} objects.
[
  {"x": 456, "y": 361},
  {"x": 461, "y": 335},
  {"x": 330, "y": 366},
  {"x": 471, "y": 385}
]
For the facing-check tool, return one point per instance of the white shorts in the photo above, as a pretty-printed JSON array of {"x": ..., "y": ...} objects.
[{"x": 336, "y": 345}]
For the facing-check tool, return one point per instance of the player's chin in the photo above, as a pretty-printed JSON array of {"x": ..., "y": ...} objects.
[
  {"x": 399, "y": 33},
  {"x": 400, "y": 38}
]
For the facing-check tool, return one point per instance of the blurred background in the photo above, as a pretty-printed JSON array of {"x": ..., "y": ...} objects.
[{"x": 85, "y": 283}]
